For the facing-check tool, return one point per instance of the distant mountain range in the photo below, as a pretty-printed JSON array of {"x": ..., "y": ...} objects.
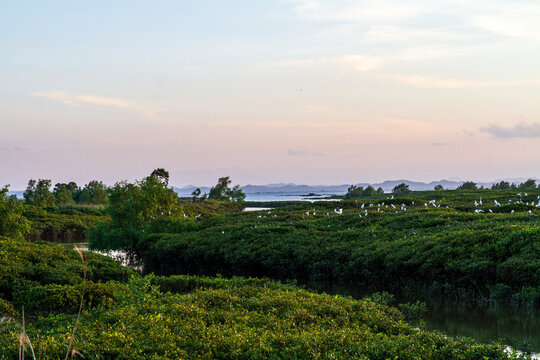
[
  {"x": 387, "y": 186},
  {"x": 290, "y": 188}
]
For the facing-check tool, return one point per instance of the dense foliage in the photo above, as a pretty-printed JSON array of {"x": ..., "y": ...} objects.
[
  {"x": 202, "y": 318},
  {"x": 149, "y": 206},
  {"x": 223, "y": 191},
  {"x": 38, "y": 193},
  {"x": 31, "y": 272},
  {"x": 195, "y": 317},
  {"x": 446, "y": 246},
  {"x": 12, "y": 221},
  {"x": 61, "y": 224}
]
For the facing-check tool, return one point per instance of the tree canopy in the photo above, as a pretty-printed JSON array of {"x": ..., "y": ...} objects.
[
  {"x": 467, "y": 185},
  {"x": 38, "y": 193},
  {"x": 12, "y": 222},
  {"x": 134, "y": 208},
  {"x": 162, "y": 175},
  {"x": 401, "y": 189},
  {"x": 222, "y": 191},
  {"x": 529, "y": 184}
]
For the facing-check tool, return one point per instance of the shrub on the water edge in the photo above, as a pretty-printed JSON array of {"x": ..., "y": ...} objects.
[
  {"x": 240, "y": 319},
  {"x": 25, "y": 265}
]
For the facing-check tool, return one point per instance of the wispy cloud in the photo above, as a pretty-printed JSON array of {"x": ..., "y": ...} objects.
[
  {"x": 74, "y": 100},
  {"x": 452, "y": 83},
  {"x": 292, "y": 152},
  {"x": 520, "y": 130},
  {"x": 355, "y": 11},
  {"x": 517, "y": 19},
  {"x": 440, "y": 144},
  {"x": 364, "y": 62},
  {"x": 16, "y": 148}
]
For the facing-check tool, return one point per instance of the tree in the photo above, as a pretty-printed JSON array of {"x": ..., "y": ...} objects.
[
  {"x": 438, "y": 187},
  {"x": 467, "y": 185},
  {"x": 236, "y": 194},
  {"x": 503, "y": 185},
  {"x": 162, "y": 175},
  {"x": 380, "y": 190},
  {"x": 84, "y": 196},
  {"x": 30, "y": 191},
  {"x": 38, "y": 193},
  {"x": 369, "y": 191},
  {"x": 221, "y": 191},
  {"x": 97, "y": 191},
  {"x": 65, "y": 193},
  {"x": 196, "y": 195},
  {"x": 528, "y": 185},
  {"x": 13, "y": 224},
  {"x": 135, "y": 209},
  {"x": 401, "y": 189},
  {"x": 354, "y": 191}
]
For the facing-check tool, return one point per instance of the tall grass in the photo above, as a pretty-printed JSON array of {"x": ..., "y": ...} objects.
[{"x": 25, "y": 340}]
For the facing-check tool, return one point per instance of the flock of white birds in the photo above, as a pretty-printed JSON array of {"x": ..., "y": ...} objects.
[{"x": 381, "y": 207}]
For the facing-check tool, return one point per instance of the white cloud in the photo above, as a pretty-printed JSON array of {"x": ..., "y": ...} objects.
[
  {"x": 452, "y": 83},
  {"x": 74, "y": 100},
  {"x": 378, "y": 19},
  {"x": 517, "y": 19},
  {"x": 392, "y": 33},
  {"x": 363, "y": 62},
  {"x": 64, "y": 97},
  {"x": 520, "y": 130},
  {"x": 292, "y": 152},
  {"x": 356, "y": 11}
]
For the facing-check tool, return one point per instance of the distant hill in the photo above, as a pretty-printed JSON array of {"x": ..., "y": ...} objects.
[
  {"x": 274, "y": 188},
  {"x": 290, "y": 188},
  {"x": 387, "y": 186}
]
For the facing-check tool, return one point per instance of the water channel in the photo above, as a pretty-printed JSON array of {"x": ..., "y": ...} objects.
[{"x": 483, "y": 321}]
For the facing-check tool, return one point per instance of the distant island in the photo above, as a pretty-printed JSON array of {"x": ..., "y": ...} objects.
[{"x": 322, "y": 190}]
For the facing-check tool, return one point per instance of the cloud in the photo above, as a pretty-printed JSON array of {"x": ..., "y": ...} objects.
[
  {"x": 453, "y": 83},
  {"x": 16, "y": 148},
  {"x": 357, "y": 62},
  {"x": 363, "y": 63},
  {"x": 355, "y": 11},
  {"x": 292, "y": 152},
  {"x": 520, "y": 130},
  {"x": 440, "y": 144},
  {"x": 74, "y": 100},
  {"x": 517, "y": 19},
  {"x": 69, "y": 99}
]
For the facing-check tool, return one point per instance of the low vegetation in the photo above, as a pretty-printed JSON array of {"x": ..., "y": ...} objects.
[
  {"x": 198, "y": 317},
  {"x": 466, "y": 244},
  {"x": 446, "y": 246}
]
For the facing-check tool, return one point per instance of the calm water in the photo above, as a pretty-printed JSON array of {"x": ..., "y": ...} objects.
[
  {"x": 484, "y": 321},
  {"x": 287, "y": 196}
]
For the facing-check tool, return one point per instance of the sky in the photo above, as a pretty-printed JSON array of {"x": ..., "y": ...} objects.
[{"x": 303, "y": 91}]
